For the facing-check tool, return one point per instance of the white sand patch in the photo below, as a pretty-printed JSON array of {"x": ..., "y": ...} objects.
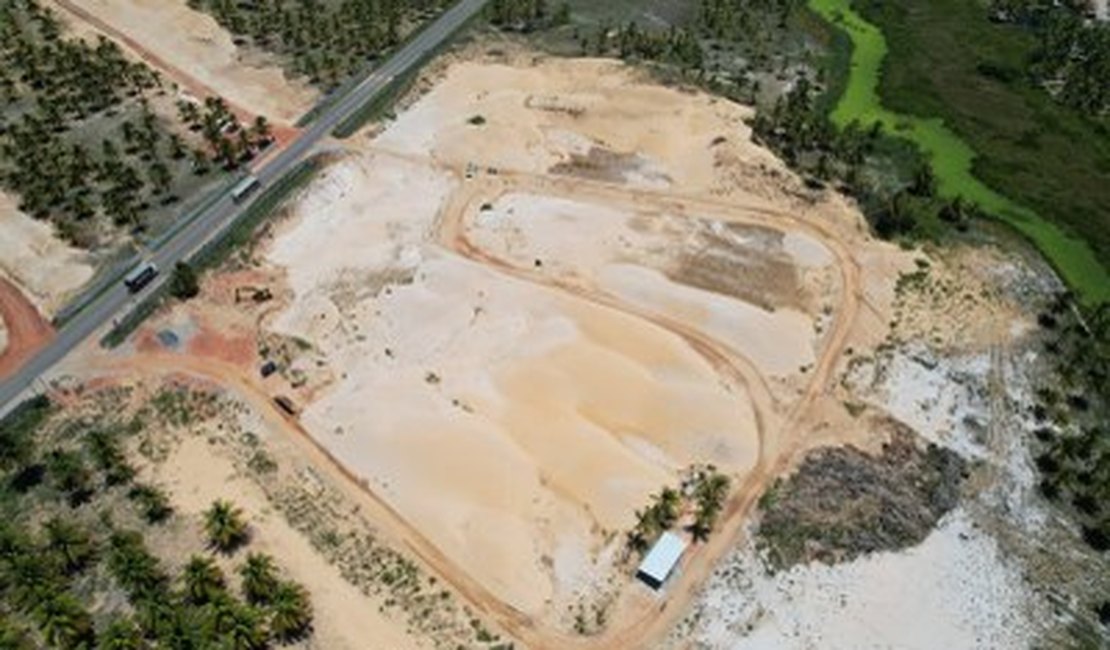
[
  {"x": 364, "y": 214},
  {"x": 944, "y": 399},
  {"x": 805, "y": 250},
  {"x": 954, "y": 590},
  {"x": 511, "y": 424},
  {"x": 627, "y": 254},
  {"x": 47, "y": 269}
]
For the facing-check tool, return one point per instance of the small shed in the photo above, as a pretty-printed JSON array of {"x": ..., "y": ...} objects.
[{"x": 661, "y": 559}]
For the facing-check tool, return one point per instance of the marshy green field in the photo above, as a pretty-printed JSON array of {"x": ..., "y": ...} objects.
[{"x": 951, "y": 157}]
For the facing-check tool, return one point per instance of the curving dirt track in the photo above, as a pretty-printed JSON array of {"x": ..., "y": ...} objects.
[
  {"x": 781, "y": 426},
  {"x": 28, "y": 331},
  {"x": 779, "y": 437}
]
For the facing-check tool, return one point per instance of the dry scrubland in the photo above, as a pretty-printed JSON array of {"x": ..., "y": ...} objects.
[{"x": 512, "y": 315}]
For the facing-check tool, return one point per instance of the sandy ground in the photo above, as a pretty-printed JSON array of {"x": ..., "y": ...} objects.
[
  {"x": 192, "y": 49},
  {"x": 953, "y": 366},
  {"x": 954, "y": 590},
  {"x": 196, "y": 474},
  {"x": 650, "y": 260},
  {"x": 505, "y": 336},
  {"x": 46, "y": 269},
  {"x": 551, "y": 419},
  {"x": 533, "y": 322}
]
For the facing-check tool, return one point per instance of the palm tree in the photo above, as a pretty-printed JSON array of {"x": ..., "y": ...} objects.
[
  {"x": 224, "y": 524},
  {"x": 668, "y": 504},
  {"x": 259, "y": 578},
  {"x": 290, "y": 612},
  {"x": 13, "y": 636},
  {"x": 203, "y": 580},
  {"x": 120, "y": 634},
  {"x": 243, "y": 628},
  {"x": 64, "y": 623},
  {"x": 153, "y": 502},
  {"x": 73, "y": 545}
]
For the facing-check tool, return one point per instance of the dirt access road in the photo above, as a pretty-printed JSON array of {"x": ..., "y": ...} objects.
[
  {"x": 637, "y": 621},
  {"x": 28, "y": 331},
  {"x": 779, "y": 438}
]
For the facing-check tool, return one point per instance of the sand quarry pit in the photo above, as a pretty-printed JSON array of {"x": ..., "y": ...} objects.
[
  {"x": 507, "y": 333},
  {"x": 193, "y": 50},
  {"x": 534, "y": 320}
]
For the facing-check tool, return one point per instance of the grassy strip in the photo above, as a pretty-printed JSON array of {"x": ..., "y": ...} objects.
[
  {"x": 216, "y": 251},
  {"x": 134, "y": 318},
  {"x": 951, "y": 157}
]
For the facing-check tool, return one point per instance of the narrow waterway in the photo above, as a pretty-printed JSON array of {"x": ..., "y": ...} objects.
[{"x": 951, "y": 157}]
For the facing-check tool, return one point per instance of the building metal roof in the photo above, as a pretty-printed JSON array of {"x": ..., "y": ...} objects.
[{"x": 662, "y": 558}]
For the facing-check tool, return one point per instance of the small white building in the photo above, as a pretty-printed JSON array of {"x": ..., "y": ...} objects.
[{"x": 661, "y": 559}]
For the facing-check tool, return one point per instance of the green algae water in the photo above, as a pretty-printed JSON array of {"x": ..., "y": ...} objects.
[{"x": 951, "y": 157}]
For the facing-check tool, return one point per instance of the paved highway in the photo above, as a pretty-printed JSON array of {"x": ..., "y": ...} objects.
[{"x": 215, "y": 218}]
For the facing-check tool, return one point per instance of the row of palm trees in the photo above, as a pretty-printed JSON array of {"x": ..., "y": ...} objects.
[
  {"x": 701, "y": 498},
  {"x": 321, "y": 40}
]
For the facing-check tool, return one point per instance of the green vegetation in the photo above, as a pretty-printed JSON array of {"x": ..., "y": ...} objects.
[
  {"x": 699, "y": 500},
  {"x": 1071, "y": 409},
  {"x": 230, "y": 143},
  {"x": 1019, "y": 131},
  {"x": 79, "y": 574},
  {"x": 327, "y": 41},
  {"x": 842, "y": 502},
  {"x": 184, "y": 283},
  {"x": 80, "y": 143},
  {"x": 225, "y": 526},
  {"x": 125, "y": 326}
]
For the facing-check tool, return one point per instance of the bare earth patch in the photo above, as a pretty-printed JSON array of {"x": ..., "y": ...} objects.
[{"x": 46, "y": 269}]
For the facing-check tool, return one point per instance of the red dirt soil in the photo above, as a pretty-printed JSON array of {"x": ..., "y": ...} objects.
[{"x": 28, "y": 331}]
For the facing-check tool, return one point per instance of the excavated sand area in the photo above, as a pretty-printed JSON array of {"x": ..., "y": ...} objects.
[
  {"x": 537, "y": 319},
  {"x": 47, "y": 270},
  {"x": 193, "y": 49}
]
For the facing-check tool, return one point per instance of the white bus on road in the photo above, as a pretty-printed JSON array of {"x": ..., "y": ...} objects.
[{"x": 245, "y": 188}]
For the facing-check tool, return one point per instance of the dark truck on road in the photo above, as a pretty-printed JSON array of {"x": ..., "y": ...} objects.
[{"x": 140, "y": 276}]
